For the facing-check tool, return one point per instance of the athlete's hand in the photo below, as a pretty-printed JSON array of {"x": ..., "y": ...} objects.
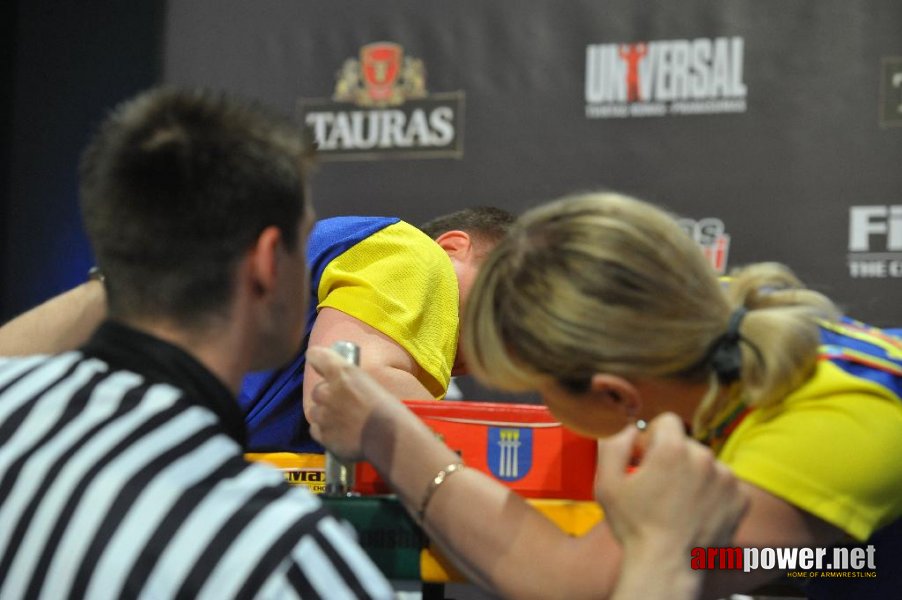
[
  {"x": 678, "y": 498},
  {"x": 344, "y": 403}
]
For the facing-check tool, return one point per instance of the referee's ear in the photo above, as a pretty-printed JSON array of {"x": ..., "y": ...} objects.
[{"x": 263, "y": 261}]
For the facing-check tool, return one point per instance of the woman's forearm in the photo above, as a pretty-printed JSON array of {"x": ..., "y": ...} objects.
[{"x": 496, "y": 538}]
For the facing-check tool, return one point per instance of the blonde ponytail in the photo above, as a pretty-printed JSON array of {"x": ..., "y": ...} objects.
[{"x": 780, "y": 336}]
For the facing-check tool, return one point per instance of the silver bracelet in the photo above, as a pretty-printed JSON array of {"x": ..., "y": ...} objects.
[{"x": 434, "y": 484}]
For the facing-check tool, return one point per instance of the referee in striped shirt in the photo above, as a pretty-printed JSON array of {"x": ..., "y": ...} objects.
[{"x": 121, "y": 464}]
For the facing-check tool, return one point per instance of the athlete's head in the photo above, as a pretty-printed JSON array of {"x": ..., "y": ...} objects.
[
  {"x": 468, "y": 236},
  {"x": 606, "y": 285}
]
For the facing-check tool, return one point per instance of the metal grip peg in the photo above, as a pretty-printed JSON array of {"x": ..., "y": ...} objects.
[{"x": 339, "y": 475}]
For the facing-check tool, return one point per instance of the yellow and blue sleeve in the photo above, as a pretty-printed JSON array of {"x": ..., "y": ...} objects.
[{"x": 400, "y": 282}]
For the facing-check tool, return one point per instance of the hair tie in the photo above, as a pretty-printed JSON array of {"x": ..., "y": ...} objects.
[{"x": 726, "y": 356}]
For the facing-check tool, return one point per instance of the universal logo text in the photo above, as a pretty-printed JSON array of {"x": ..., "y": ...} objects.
[{"x": 665, "y": 77}]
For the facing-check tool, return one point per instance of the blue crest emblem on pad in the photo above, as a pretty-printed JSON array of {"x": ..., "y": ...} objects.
[{"x": 510, "y": 452}]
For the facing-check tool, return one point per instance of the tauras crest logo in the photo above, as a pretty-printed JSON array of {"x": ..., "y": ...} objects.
[
  {"x": 382, "y": 76},
  {"x": 381, "y": 108},
  {"x": 665, "y": 77}
]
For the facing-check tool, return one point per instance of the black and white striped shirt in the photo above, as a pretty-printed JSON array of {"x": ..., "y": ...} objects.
[{"x": 122, "y": 475}]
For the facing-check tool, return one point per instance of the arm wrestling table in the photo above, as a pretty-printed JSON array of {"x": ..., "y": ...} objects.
[{"x": 521, "y": 446}]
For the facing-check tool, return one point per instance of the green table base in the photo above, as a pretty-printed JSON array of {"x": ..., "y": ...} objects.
[{"x": 385, "y": 531}]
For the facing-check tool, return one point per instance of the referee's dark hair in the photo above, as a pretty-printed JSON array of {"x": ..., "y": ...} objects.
[{"x": 175, "y": 186}]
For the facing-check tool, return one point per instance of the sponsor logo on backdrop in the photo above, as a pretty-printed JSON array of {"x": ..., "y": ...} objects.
[
  {"x": 510, "y": 452},
  {"x": 875, "y": 241},
  {"x": 665, "y": 77},
  {"x": 710, "y": 234},
  {"x": 891, "y": 91},
  {"x": 381, "y": 108}
]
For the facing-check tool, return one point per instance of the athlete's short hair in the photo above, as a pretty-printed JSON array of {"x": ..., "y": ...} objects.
[{"x": 488, "y": 224}]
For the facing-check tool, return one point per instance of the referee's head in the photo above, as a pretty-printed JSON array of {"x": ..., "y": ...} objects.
[{"x": 193, "y": 201}]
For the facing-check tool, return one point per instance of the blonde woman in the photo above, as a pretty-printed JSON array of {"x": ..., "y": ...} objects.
[{"x": 603, "y": 304}]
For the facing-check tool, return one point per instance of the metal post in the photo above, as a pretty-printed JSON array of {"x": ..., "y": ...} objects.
[{"x": 339, "y": 475}]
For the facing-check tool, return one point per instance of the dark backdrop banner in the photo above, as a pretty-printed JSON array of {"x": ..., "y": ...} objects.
[
  {"x": 66, "y": 63},
  {"x": 773, "y": 128}
]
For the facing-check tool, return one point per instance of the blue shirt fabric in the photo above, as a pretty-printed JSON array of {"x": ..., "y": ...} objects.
[{"x": 272, "y": 399}]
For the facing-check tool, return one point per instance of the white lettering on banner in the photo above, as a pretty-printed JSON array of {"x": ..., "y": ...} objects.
[
  {"x": 699, "y": 76},
  {"x": 865, "y": 221},
  {"x": 365, "y": 130},
  {"x": 875, "y": 269},
  {"x": 607, "y": 111},
  {"x": 875, "y": 241},
  {"x": 708, "y": 106}
]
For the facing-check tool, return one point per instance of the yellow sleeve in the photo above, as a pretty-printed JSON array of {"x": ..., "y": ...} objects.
[
  {"x": 401, "y": 283},
  {"x": 833, "y": 448}
]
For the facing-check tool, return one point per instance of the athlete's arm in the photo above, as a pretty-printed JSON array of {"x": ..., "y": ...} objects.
[
  {"x": 380, "y": 356},
  {"x": 802, "y": 472},
  {"x": 500, "y": 541},
  {"x": 680, "y": 497},
  {"x": 62, "y": 323},
  {"x": 769, "y": 522}
]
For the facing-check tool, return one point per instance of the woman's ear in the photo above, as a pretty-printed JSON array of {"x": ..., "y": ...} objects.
[{"x": 618, "y": 393}]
